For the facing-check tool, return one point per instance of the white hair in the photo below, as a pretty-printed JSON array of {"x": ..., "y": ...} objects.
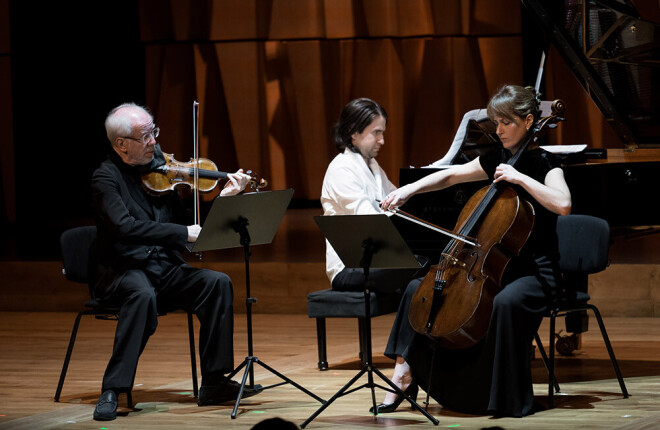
[{"x": 119, "y": 125}]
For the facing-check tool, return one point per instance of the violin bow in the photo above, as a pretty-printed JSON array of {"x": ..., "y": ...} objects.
[{"x": 196, "y": 214}]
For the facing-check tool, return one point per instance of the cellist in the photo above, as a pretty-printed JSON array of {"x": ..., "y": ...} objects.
[
  {"x": 494, "y": 376},
  {"x": 139, "y": 266}
]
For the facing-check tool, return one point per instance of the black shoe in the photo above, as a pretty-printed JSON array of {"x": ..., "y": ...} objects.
[
  {"x": 225, "y": 391},
  {"x": 106, "y": 407},
  {"x": 411, "y": 391}
]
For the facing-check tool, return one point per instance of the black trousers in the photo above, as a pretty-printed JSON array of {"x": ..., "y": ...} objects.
[
  {"x": 166, "y": 286},
  {"x": 380, "y": 280}
]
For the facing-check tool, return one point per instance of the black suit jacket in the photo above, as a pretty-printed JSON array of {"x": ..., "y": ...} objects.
[{"x": 132, "y": 225}]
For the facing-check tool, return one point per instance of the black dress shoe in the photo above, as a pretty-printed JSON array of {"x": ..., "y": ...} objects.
[
  {"x": 411, "y": 391},
  {"x": 225, "y": 391},
  {"x": 106, "y": 407}
]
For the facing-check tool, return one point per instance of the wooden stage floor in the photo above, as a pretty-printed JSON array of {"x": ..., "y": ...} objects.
[{"x": 33, "y": 347}]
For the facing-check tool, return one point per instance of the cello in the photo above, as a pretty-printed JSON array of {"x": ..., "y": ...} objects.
[{"x": 454, "y": 302}]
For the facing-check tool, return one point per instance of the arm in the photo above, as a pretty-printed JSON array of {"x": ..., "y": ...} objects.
[
  {"x": 344, "y": 193},
  {"x": 109, "y": 198},
  {"x": 439, "y": 180},
  {"x": 553, "y": 193}
]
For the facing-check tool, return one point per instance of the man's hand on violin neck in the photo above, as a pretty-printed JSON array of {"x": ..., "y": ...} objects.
[
  {"x": 236, "y": 183},
  {"x": 193, "y": 232}
]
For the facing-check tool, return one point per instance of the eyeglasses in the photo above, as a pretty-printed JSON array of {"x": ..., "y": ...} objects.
[{"x": 145, "y": 137}]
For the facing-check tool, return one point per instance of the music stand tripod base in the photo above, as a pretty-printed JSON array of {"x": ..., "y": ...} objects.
[
  {"x": 241, "y": 221},
  {"x": 367, "y": 241}
]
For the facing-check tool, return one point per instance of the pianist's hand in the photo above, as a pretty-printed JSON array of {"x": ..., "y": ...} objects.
[{"x": 396, "y": 198}]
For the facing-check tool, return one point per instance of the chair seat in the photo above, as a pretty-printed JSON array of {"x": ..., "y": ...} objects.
[
  {"x": 577, "y": 299},
  {"x": 349, "y": 304}
]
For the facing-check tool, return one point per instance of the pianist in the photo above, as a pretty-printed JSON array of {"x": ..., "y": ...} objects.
[{"x": 354, "y": 183}]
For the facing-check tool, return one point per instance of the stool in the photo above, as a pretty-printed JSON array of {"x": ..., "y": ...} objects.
[{"x": 346, "y": 304}]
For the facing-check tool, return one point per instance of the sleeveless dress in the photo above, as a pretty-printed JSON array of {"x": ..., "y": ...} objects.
[{"x": 494, "y": 376}]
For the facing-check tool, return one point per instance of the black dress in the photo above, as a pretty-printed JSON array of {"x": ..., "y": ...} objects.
[{"x": 494, "y": 376}]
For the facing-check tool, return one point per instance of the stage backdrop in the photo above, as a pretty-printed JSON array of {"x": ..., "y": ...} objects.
[{"x": 272, "y": 77}]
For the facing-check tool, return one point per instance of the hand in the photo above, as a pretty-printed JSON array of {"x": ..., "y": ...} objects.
[
  {"x": 236, "y": 183},
  {"x": 193, "y": 232},
  {"x": 395, "y": 199},
  {"x": 506, "y": 172}
]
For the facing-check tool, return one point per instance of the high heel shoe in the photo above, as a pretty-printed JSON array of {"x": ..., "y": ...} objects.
[{"x": 411, "y": 390}]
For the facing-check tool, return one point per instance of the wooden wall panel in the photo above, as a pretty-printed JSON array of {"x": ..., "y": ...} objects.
[
  {"x": 296, "y": 19},
  {"x": 492, "y": 17},
  {"x": 304, "y": 92},
  {"x": 218, "y": 20},
  {"x": 236, "y": 19},
  {"x": 450, "y": 16},
  {"x": 272, "y": 76},
  {"x": 269, "y": 106},
  {"x": 241, "y": 71},
  {"x": 339, "y": 18}
]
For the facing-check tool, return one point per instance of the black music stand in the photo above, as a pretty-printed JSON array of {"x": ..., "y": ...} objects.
[
  {"x": 367, "y": 241},
  {"x": 262, "y": 212}
]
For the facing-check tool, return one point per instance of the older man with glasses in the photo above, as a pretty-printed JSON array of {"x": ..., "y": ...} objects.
[{"x": 139, "y": 265}]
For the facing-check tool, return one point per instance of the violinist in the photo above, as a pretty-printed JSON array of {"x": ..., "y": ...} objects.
[
  {"x": 354, "y": 183},
  {"x": 493, "y": 376},
  {"x": 139, "y": 265}
]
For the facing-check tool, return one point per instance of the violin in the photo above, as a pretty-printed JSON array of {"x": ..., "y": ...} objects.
[
  {"x": 454, "y": 302},
  {"x": 175, "y": 173}
]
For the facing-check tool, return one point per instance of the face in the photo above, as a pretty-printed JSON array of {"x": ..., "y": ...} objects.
[
  {"x": 371, "y": 139},
  {"x": 137, "y": 149},
  {"x": 512, "y": 133}
]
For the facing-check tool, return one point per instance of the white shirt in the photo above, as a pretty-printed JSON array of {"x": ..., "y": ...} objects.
[{"x": 350, "y": 187}]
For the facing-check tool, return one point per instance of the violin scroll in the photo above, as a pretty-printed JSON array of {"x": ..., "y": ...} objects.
[{"x": 255, "y": 183}]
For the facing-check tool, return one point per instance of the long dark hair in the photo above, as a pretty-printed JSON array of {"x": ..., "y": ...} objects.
[{"x": 354, "y": 118}]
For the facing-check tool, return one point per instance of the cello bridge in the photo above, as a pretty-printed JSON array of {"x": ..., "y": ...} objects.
[{"x": 453, "y": 260}]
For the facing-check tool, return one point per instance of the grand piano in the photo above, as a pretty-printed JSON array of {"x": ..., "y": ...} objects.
[{"x": 616, "y": 57}]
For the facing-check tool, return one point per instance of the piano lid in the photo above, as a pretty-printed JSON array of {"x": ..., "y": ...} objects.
[{"x": 616, "y": 57}]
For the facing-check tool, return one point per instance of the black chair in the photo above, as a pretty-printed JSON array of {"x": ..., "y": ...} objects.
[
  {"x": 583, "y": 250},
  {"x": 346, "y": 304},
  {"x": 76, "y": 244}
]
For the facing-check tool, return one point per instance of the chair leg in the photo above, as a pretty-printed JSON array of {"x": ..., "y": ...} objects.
[
  {"x": 551, "y": 361},
  {"x": 610, "y": 351},
  {"x": 129, "y": 399},
  {"x": 544, "y": 357},
  {"x": 193, "y": 358},
  {"x": 320, "y": 339},
  {"x": 67, "y": 358}
]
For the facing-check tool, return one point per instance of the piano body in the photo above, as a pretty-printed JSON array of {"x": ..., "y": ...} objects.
[{"x": 617, "y": 61}]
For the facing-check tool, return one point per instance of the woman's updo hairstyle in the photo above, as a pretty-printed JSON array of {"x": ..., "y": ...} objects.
[
  {"x": 515, "y": 101},
  {"x": 354, "y": 118}
]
